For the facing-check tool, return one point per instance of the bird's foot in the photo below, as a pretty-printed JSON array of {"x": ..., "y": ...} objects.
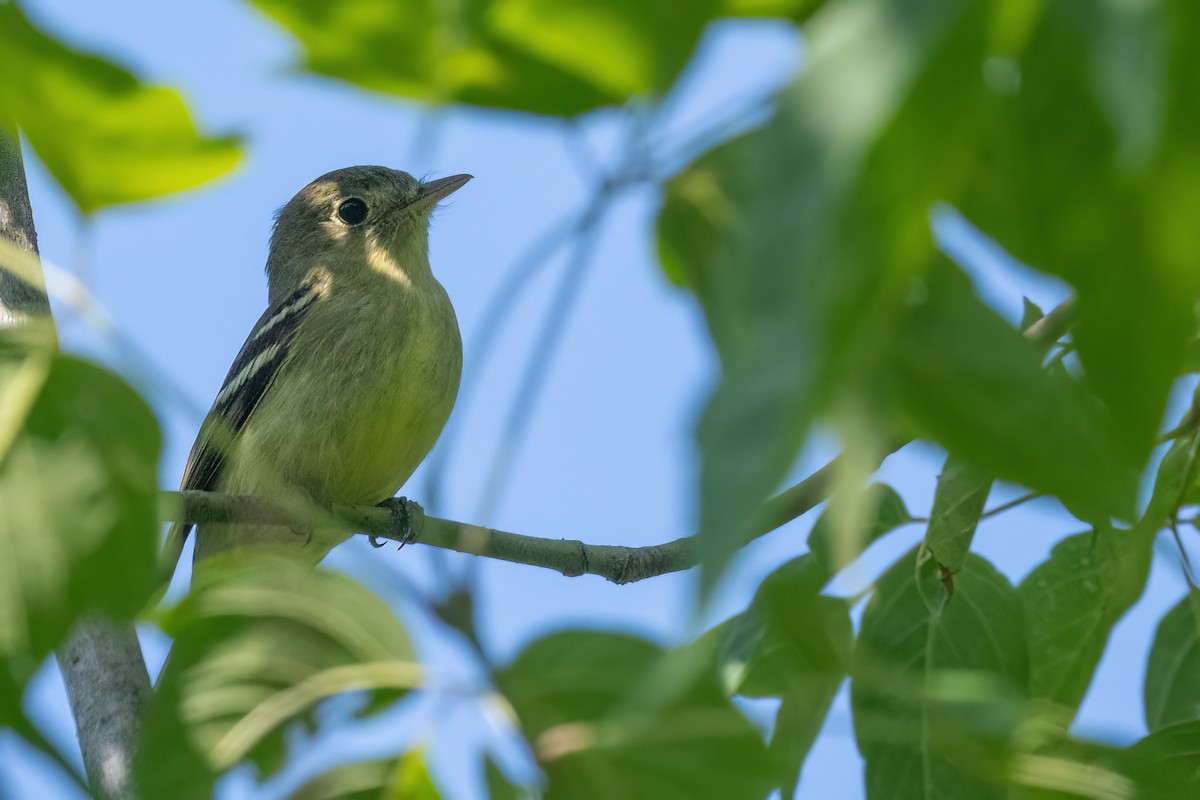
[{"x": 407, "y": 519}]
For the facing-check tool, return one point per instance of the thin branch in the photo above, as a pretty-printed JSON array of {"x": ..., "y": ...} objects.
[{"x": 571, "y": 557}]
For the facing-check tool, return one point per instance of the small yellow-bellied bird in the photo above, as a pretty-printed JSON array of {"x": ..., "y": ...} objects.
[{"x": 347, "y": 379}]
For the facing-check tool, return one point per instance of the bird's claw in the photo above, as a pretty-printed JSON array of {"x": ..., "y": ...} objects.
[{"x": 407, "y": 516}]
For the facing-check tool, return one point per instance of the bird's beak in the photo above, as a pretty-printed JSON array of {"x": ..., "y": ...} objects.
[{"x": 436, "y": 191}]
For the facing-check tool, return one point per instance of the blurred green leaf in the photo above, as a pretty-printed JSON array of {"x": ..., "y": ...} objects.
[
  {"x": 78, "y": 524},
  {"x": 259, "y": 642},
  {"x": 572, "y": 692},
  {"x": 800, "y": 239},
  {"x": 835, "y": 547},
  {"x": 1172, "y": 688},
  {"x": 1089, "y": 171},
  {"x": 498, "y": 785},
  {"x": 801, "y": 654},
  {"x": 403, "y": 778},
  {"x": 1072, "y": 600},
  {"x": 975, "y": 385},
  {"x": 104, "y": 136},
  {"x": 934, "y": 696}
]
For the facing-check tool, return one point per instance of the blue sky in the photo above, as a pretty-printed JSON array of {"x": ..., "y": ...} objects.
[{"x": 608, "y": 455}]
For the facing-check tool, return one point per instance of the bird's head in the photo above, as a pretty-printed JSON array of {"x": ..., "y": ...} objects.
[{"x": 353, "y": 219}]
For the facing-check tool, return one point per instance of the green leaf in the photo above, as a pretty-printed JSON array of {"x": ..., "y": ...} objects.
[
  {"x": 576, "y": 695},
  {"x": 104, "y": 136},
  {"x": 958, "y": 504},
  {"x": 1165, "y": 762},
  {"x": 800, "y": 239},
  {"x": 1072, "y": 601},
  {"x": 634, "y": 47},
  {"x": 78, "y": 523},
  {"x": 1088, "y": 170},
  {"x": 1172, "y": 688},
  {"x": 403, "y": 778},
  {"x": 835, "y": 547},
  {"x": 976, "y": 386},
  {"x": 935, "y": 696},
  {"x": 430, "y": 51},
  {"x": 259, "y": 642},
  {"x": 802, "y": 654}
]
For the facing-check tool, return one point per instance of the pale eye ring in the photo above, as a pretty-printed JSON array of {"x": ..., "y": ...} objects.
[{"x": 352, "y": 211}]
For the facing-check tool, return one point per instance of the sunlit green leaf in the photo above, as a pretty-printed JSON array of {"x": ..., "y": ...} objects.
[
  {"x": 1072, "y": 600},
  {"x": 104, "y": 136},
  {"x": 1172, "y": 689},
  {"x": 78, "y": 498},
  {"x": 259, "y": 642},
  {"x": 634, "y": 47},
  {"x": 573, "y": 694},
  {"x": 934, "y": 696},
  {"x": 430, "y": 51}
]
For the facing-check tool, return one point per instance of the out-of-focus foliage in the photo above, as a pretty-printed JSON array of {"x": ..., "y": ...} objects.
[
  {"x": 540, "y": 56},
  {"x": 807, "y": 243},
  {"x": 259, "y": 642},
  {"x": 78, "y": 454},
  {"x": 1172, "y": 691},
  {"x": 1068, "y": 131},
  {"x": 596, "y": 736},
  {"x": 106, "y": 137}
]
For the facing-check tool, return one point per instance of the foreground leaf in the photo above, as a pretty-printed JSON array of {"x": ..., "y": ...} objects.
[
  {"x": 1172, "y": 688},
  {"x": 432, "y": 52},
  {"x": 801, "y": 655},
  {"x": 976, "y": 386},
  {"x": 935, "y": 696},
  {"x": 78, "y": 520},
  {"x": 259, "y": 642},
  {"x": 104, "y": 136},
  {"x": 767, "y": 231},
  {"x": 572, "y": 692}
]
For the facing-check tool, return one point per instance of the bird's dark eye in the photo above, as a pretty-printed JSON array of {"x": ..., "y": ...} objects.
[{"x": 352, "y": 211}]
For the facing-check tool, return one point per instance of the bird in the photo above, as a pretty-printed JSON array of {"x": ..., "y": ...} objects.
[{"x": 347, "y": 379}]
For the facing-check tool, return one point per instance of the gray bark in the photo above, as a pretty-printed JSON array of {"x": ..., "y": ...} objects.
[{"x": 101, "y": 662}]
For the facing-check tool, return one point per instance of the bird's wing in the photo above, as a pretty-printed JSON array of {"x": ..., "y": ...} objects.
[{"x": 253, "y": 371}]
